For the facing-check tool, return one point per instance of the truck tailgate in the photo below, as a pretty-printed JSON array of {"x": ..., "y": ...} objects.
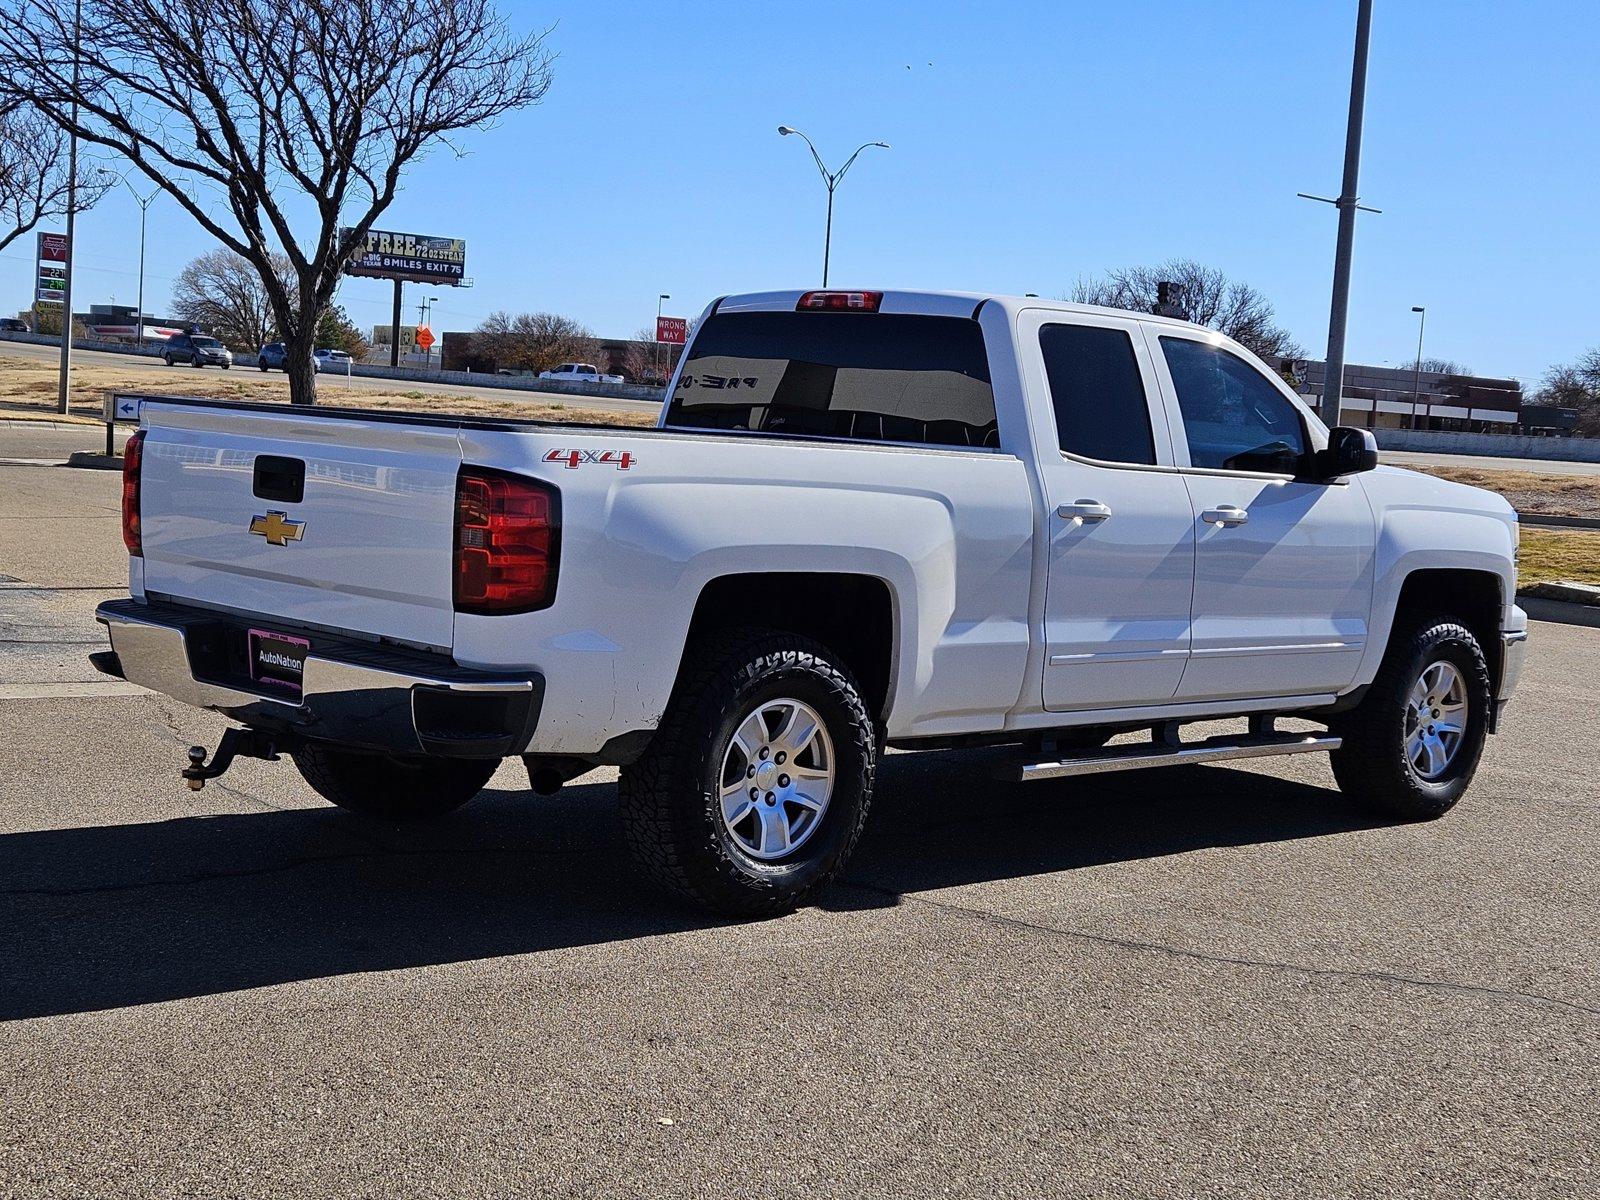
[{"x": 340, "y": 522}]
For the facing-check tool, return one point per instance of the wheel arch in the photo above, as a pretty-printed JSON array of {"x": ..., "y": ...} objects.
[
  {"x": 1474, "y": 597},
  {"x": 854, "y": 615}
]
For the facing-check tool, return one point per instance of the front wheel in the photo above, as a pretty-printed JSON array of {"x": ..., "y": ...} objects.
[
  {"x": 167, "y": 358},
  {"x": 391, "y": 787},
  {"x": 757, "y": 784},
  {"x": 1412, "y": 745}
]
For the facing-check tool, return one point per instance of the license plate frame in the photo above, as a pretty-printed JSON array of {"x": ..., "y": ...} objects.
[{"x": 277, "y": 660}]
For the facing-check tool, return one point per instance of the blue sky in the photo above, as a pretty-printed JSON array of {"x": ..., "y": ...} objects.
[{"x": 1032, "y": 143}]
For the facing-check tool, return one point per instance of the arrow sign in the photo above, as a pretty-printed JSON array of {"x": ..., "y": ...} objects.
[{"x": 122, "y": 408}]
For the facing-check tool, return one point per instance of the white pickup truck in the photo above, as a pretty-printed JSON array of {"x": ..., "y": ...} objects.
[
  {"x": 579, "y": 373},
  {"x": 866, "y": 519}
]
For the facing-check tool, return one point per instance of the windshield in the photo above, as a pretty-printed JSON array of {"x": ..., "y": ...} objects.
[{"x": 205, "y": 343}]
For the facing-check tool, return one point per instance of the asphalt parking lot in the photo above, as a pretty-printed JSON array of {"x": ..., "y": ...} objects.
[{"x": 1198, "y": 981}]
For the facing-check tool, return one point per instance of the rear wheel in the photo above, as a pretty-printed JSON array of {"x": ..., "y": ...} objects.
[
  {"x": 391, "y": 787},
  {"x": 756, "y": 786},
  {"x": 1412, "y": 745}
]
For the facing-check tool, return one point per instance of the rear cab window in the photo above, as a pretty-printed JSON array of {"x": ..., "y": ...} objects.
[{"x": 888, "y": 377}]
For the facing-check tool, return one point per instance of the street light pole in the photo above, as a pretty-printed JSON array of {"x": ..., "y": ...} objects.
[
  {"x": 831, "y": 180},
  {"x": 663, "y": 296},
  {"x": 1347, "y": 204},
  {"x": 1416, "y": 384},
  {"x": 144, "y": 208}
]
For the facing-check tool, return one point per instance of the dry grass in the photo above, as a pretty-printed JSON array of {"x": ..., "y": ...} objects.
[
  {"x": 1531, "y": 491},
  {"x": 28, "y": 388},
  {"x": 1558, "y": 556}
]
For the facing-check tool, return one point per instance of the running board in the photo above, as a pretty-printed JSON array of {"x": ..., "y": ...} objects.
[{"x": 1152, "y": 754}]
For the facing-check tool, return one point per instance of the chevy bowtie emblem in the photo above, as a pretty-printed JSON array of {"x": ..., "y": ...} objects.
[{"x": 278, "y": 529}]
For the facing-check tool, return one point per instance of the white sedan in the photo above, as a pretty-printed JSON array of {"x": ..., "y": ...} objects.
[{"x": 332, "y": 360}]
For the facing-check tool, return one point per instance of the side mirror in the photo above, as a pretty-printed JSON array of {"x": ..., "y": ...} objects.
[{"x": 1350, "y": 451}]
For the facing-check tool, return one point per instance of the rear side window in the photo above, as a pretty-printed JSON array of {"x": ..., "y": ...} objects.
[
  {"x": 877, "y": 377},
  {"x": 1099, "y": 399}
]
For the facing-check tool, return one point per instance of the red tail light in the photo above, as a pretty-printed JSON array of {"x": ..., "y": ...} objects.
[
  {"x": 508, "y": 533},
  {"x": 132, "y": 462},
  {"x": 839, "y": 302}
]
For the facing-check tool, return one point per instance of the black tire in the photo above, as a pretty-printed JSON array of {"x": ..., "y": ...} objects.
[
  {"x": 391, "y": 787},
  {"x": 263, "y": 367},
  {"x": 671, "y": 807},
  {"x": 167, "y": 358},
  {"x": 196, "y": 363},
  {"x": 1372, "y": 766}
]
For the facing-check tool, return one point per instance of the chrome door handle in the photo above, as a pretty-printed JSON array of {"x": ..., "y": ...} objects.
[
  {"x": 1225, "y": 514},
  {"x": 1084, "y": 510}
]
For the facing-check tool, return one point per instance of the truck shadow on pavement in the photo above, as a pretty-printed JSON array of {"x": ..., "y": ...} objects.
[{"x": 98, "y": 918}]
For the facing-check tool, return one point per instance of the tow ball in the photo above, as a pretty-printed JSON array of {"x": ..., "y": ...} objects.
[{"x": 235, "y": 743}]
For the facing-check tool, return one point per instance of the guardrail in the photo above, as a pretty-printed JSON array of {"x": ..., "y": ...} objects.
[{"x": 508, "y": 383}]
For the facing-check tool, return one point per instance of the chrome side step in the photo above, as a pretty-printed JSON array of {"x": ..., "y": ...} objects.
[{"x": 1158, "y": 754}]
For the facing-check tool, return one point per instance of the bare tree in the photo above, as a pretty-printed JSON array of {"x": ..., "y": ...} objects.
[
  {"x": 34, "y": 179},
  {"x": 1445, "y": 366},
  {"x": 222, "y": 292},
  {"x": 1575, "y": 385},
  {"x": 1205, "y": 296},
  {"x": 279, "y": 125},
  {"x": 533, "y": 341},
  {"x": 642, "y": 359}
]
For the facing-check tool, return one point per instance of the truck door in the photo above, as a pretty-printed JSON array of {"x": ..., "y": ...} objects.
[
  {"x": 1283, "y": 566},
  {"x": 1122, "y": 533}
]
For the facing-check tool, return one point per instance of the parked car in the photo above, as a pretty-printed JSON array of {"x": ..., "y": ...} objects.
[
  {"x": 332, "y": 360},
  {"x": 579, "y": 373},
  {"x": 13, "y": 325},
  {"x": 196, "y": 349},
  {"x": 868, "y": 519},
  {"x": 273, "y": 357}
]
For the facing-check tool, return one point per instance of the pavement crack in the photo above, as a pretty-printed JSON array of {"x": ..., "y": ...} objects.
[{"x": 1531, "y": 999}]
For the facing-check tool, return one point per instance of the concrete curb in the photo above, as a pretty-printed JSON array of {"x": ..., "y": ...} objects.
[
  {"x": 1568, "y": 593},
  {"x": 93, "y": 460},
  {"x": 1559, "y": 611},
  {"x": 1553, "y": 521}
]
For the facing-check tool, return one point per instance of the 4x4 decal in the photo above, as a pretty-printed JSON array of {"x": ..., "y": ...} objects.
[{"x": 622, "y": 460}]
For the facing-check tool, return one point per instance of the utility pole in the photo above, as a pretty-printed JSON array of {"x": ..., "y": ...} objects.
[
  {"x": 64, "y": 383},
  {"x": 1347, "y": 204}
]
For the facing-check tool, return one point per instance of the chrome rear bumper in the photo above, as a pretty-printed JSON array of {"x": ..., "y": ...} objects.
[{"x": 354, "y": 693}]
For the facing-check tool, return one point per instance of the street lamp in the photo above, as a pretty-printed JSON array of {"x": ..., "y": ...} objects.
[
  {"x": 427, "y": 355},
  {"x": 831, "y": 180},
  {"x": 1416, "y": 383},
  {"x": 144, "y": 206},
  {"x": 659, "y": 299}
]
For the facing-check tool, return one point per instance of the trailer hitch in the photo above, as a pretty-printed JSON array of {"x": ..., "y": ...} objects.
[{"x": 235, "y": 743}]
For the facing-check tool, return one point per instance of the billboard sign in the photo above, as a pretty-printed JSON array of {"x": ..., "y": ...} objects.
[
  {"x": 672, "y": 330},
  {"x": 409, "y": 256},
  {"x": 50, "y": 277}
]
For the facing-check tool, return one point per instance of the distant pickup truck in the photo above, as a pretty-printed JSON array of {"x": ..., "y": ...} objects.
[
  {"x": 579, "y": 373},
  {"x": 866, "y": 520}
]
